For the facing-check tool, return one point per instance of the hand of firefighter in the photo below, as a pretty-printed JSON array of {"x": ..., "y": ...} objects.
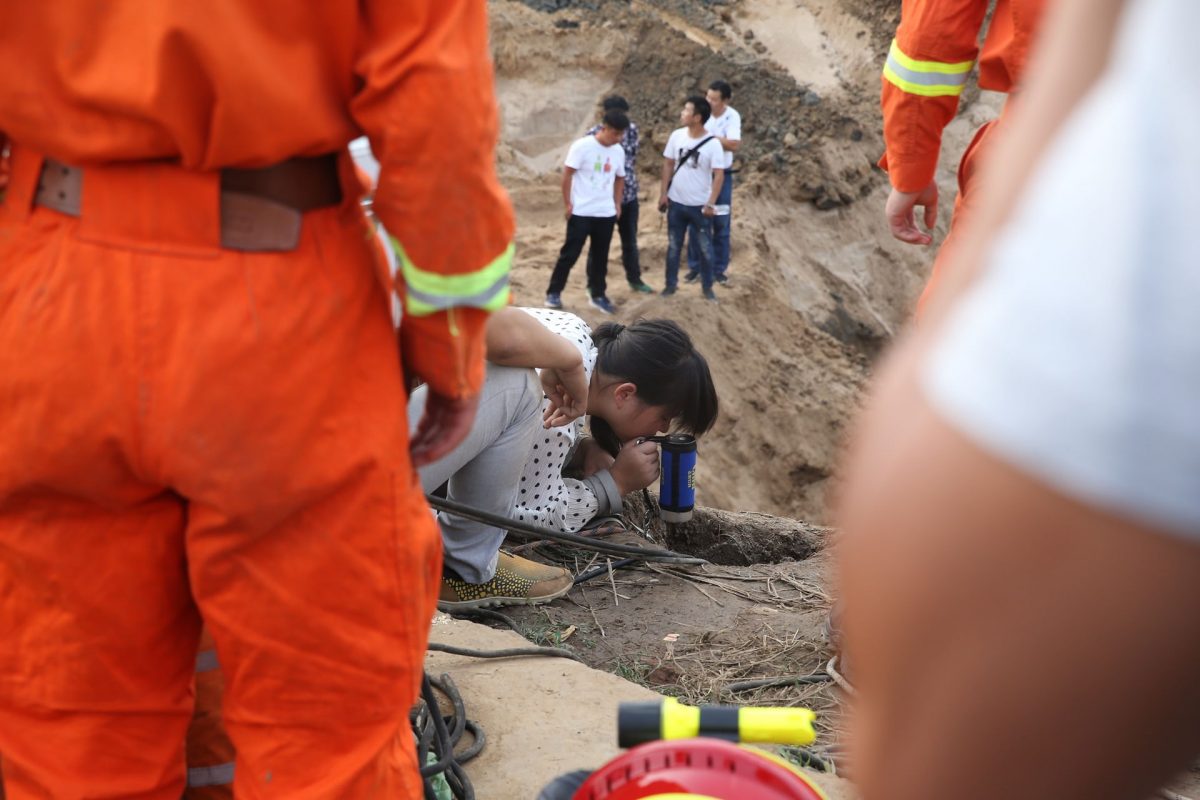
[
  {"x": 445, "y": 422},
  {"x": 636, "y": 466},
  {"x": 901, "y": 213},
  {"x": 567, "y": 389}
]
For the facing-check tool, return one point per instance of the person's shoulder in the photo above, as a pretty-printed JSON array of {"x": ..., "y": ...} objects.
[{"x": 733, "y": 114}]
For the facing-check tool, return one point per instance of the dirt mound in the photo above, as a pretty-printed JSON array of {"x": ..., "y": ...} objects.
[{"x": 818, "y": 287}]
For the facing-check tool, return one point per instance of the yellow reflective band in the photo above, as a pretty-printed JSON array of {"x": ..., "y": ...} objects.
[
  {"x": 428, "y": 292},
  {"x": 925, "y": 78},
  {"x": 942, "y": 67},
  {"x": 937, "y": 90}
]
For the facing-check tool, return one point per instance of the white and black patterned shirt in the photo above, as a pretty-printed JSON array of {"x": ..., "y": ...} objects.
[{"x": 546, "y": 497}]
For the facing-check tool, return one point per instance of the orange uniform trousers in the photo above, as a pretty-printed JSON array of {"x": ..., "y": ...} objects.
[
  {"x": 968, "y": 166},
  {"x": 188, "y": 431}
]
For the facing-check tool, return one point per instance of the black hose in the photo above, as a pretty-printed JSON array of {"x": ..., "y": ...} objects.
[
  {"x": 433, "y": 735},
  {"x": 598, "y": 571},
  {"x": 531, "y": 531},
  {"x": 507, "y": 653}
]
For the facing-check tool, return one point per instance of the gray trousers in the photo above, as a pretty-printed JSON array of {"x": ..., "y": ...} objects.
[{"x": 484, "y": 471}]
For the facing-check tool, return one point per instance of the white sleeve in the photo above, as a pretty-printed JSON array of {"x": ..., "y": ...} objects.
[
  {"x": 621, "y": 163},
  {"x": 669, "y": 150},
  {"x": 734, "y": 131},
  {"x": 1076, "y": 356},
  {"x": 574, "y": 158}
]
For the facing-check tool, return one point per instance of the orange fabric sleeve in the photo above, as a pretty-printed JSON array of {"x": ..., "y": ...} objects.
[
  {"x": 428, "y": 106},
  {"x": 4, "y": 169},
  {"x": 945, "y": 31}
]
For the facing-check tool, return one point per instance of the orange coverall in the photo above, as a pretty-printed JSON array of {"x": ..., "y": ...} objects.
[
  {"x": 190, "y": 431},
  {"x": 935, "y": 48}
]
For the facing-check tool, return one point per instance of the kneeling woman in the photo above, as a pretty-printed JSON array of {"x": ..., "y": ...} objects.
[{"x": 627, "y": 381}]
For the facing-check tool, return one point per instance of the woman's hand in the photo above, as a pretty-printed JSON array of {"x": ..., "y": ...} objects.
[
  {"x": 567, "y": 388},
  {"x": 636, "y": 466}
]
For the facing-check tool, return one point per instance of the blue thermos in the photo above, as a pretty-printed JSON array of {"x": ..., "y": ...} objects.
[{"x": 677, "y": 483}]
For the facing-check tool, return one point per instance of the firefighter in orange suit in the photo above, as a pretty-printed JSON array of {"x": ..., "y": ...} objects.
[
  {"x": 935, "y": 49},
  {"x": 202, "y": 407}
]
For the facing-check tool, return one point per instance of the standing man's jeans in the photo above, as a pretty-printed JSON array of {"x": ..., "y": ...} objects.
[
  {"x": 579, "y": 230},
  {"x": 720, "y": 238},
  {"x": 683, "y": 220}
]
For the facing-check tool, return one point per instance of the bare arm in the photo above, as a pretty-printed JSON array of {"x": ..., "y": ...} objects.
[
  {"x": 668, "y": 169},
  {"x": 731, "y": 145},
  {"x": 718, "y": 180},
  {"x": 567, "y": 177},
  {"x": 618, "y": 194},
  {"x": 516, "y": 339},
  {"x": 991, "y": 620}
]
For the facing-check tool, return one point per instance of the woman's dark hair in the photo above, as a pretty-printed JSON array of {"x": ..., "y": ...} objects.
[{"x": 659, "y": 358}]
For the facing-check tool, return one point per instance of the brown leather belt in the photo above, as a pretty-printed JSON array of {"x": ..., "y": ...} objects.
[{"x": 261, "y": 209}]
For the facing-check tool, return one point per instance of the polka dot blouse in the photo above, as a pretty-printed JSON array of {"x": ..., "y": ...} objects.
[{"x": 545, "y": 497}]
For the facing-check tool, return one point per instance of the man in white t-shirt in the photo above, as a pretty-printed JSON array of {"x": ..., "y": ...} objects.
[
  {"x": 593, "y": 184},
  {"x": 692, "y": 174},
  {"x": 726, "y": 124}
]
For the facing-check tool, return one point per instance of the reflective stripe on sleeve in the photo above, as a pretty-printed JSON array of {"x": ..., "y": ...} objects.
[
  {"x": 927, "y": 78},
  {"x": 426, "y": 292},
  {"x": 216, "y": 775}
]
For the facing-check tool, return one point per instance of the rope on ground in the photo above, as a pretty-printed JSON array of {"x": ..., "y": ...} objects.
[
  {"x": 510, "y": 652},
  {"x": 531, "y": 531}
]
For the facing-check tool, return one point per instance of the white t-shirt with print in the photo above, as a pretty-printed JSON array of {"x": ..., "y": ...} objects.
[
  {"x": 727, "y": 126},
  {"x": 596, "y": 171},
  {"x": 692, "y": 184},
  {"x": 1076, "y": 355},
  {"x": 545, "y": 497}
]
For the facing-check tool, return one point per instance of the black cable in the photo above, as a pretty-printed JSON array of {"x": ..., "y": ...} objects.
[
  {"x": 507, "y": 653},
  {"x": 598, "y": 571},
  {"x": 433, "y": 735},
  {"x": 531, "y": 531},
  {"x": 487, "y": 613}
]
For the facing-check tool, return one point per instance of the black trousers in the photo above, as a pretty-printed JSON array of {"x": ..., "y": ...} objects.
[
  {"x": 627, "y": 230},
  {"x": 579, "y": 230}
]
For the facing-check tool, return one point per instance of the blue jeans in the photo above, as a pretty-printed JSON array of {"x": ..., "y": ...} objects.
[
  {"x": 680, "y": 220},
  {"x": 720, "y": 233}
]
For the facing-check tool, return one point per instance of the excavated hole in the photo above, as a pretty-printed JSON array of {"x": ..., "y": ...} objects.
[{"x": 733, "y": 538}]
